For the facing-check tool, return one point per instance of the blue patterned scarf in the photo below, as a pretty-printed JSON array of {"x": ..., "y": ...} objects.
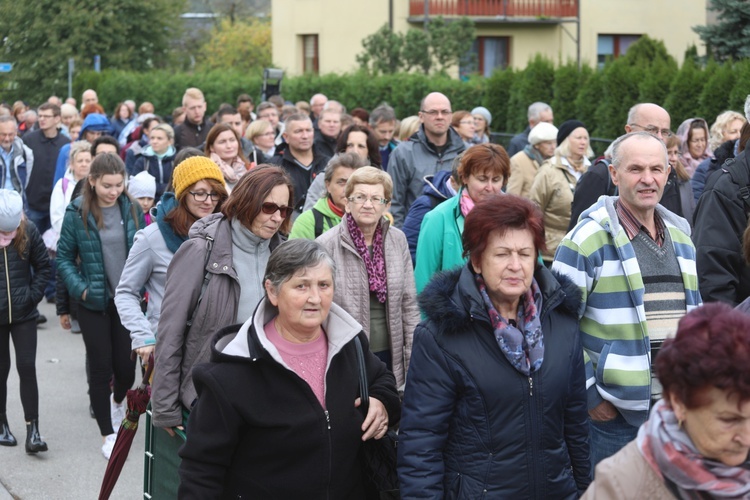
[{"x": 523, "y": 345}]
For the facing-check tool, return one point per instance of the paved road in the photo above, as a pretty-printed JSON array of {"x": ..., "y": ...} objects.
[{"x": 74, "y": 466}]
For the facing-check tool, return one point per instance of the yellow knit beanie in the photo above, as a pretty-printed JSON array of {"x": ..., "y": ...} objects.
[{"x": 192, "y": 170}]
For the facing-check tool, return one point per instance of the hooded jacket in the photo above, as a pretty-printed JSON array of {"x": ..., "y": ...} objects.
[
  {"x": 159, "y": 168},
  {"x": 708, "y": 166},
  {"x": 687, "y": 159},
  {"x": 20, "y": 170},
  {"x": 352, "y": 291},
  {"x": 179, "y": 346},
  {"x": 24, "y": 278},
  {"x": 76, "y": 241},
  {"x": 258, "y": 431},
  {"x": 94, "y": 122},
  {"x": 411, "y": 162},
  {"x": 146, "y": 267},
  {"x": 472, "y": 426},
  {"x": 599, "y": 257},
  {"x": 720, "y": 221},
  {"x": 434, "y": 192}
]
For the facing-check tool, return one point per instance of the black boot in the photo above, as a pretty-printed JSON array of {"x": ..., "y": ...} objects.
[
  {"x": 6, "y": 438},
  {"x": 34, "y": 443}
]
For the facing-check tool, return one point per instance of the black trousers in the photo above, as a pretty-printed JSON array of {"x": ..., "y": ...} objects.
[
  {"x": 108, "y": 352},
  {"x": 24, "y": 343}
]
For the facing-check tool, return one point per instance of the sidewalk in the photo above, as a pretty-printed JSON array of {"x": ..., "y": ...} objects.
[{"x": 74, "y": 466}]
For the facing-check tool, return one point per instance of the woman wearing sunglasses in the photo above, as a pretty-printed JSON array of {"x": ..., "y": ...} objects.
[
  {"x": 215, "y": 280},
  {"x": 374, "y": 276},
  {"x": 199, "y": 191}
]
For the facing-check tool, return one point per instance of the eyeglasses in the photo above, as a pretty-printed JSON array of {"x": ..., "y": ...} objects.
[
  {"x": 664, "y": 132},
  {"x": 202, "y": 196},
  {"x": 360, "y": 199},
  {"x": 46, "y": 117},
  {"x": 271, "y": 208},
  {"x": 438, "y": 112}
]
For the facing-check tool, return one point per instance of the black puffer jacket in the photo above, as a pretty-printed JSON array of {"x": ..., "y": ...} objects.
[
  {"x": 472, "y": 425},
  {"x": 258, "y": 431},
  {"x": 23, "y": 290}
]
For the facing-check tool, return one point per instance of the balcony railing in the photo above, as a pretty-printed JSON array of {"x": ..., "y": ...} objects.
[{"x": 495, "y": 8}]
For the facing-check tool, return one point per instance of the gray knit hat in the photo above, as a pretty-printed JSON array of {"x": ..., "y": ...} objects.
[
  {"x": 11, "y": 208},
  {"x": 481, "y": 110},
  {"x": 142, "y": 185}
]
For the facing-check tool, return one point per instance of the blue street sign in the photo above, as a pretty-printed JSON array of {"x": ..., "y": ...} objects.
[{"x": 6, "y": 67}]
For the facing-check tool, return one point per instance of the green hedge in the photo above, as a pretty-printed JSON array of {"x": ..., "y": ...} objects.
[{"x": 598, "y": 97}]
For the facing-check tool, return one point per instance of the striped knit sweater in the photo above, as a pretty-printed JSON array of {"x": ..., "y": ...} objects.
[{"x": 598, "y": 256}]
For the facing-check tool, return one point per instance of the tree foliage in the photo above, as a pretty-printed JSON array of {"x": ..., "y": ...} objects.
[
  {"x": 242, "y": 44},
  {"x": 729, "y": 38},
  {"x": 684, "y": 94},
  {"x": 38, "y": 38},
  {"x": 530, "y": 85},
  {"x": 439, "y": 46}
]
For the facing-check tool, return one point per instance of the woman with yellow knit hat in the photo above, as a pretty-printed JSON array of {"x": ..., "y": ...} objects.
[
  {"x": 199, "y": 191},
  {"x": 215, "y": 280}
]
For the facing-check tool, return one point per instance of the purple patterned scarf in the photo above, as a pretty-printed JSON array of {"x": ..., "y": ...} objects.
[
  {"x": 523, "y": 349},
  {"x": 671, "y": 454},
  {"x": 376, "y": 265}
]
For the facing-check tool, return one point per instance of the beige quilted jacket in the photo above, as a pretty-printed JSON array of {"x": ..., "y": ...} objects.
[{"x": 352, "y": 289}]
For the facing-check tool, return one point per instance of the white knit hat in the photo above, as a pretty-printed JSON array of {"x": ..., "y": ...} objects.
[
  {"x": 11, "y": 207},
  {"x": 542, "y": 132},
  {"x": 142, "y": 185}
]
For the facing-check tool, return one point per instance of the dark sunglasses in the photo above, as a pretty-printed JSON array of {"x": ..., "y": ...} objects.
[{"x": 271, "y": 208}]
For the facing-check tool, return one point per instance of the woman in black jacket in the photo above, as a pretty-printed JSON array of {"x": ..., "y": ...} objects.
[
  {"x": 25, "y": 270},
  {"x": 277, "y": 415},
  {"x": 495, "y": 401}
]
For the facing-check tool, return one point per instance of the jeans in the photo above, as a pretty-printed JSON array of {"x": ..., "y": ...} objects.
[{"x": 607, "y": 438}]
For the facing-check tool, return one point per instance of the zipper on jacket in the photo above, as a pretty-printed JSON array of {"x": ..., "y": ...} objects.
[
  {"x": 7, "y": 285},
  {"x": 531, "y": 386},
  {"x": 330, "y": 454}
]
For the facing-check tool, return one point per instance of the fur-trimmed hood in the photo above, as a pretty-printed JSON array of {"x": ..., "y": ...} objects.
[{"x": 451, "y": 300}]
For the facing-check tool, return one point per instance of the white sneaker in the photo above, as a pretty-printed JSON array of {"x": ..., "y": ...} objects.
[
  {"x": 109, "y": 444},
  {"x": 116, "y": 413}
]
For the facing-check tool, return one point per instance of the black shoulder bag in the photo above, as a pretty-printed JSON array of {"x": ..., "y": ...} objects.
[{"x": 378, "y": 456}]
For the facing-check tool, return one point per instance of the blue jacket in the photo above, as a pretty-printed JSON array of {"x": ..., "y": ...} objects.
[
  {"x": 710, "y": 165},
  {"x": 434, "y": 193},
  {"x": 474, "y": 427},
  {"x": 95, "y": 122}
]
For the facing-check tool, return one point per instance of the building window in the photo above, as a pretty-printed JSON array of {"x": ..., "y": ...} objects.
[
  {"x": 613, "y": 46},
  {"x": 310, "y": 54},
  {"x": 487, "y": 54}
]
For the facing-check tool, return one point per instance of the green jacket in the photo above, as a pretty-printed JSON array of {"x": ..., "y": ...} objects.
[
  {"x": 75, "y": 242},
  {"x": 304, "y": 226},
  {"x": 439, "y": 247}
]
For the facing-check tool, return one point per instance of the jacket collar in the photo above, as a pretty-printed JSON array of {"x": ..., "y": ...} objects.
[{"x": 603, "y": 212}]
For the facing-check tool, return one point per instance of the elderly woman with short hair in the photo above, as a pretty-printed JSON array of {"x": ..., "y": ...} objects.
[
  {"x": 696, "y": 441},
  {"x": 374, "y": 273},
  {"x": 483, "y": 171},
  {"x": 525, "y": 164},
  {"x": 495, "y": 404},
  {"x": 277, "y": 414}
]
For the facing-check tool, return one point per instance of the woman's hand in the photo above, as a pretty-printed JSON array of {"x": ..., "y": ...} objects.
[
  {"x": 65, "y": 321},
  {"x": 144, "y": 352},
  {"x": 83, "y": 295},
  {"x": 171, "y": 432},
  {"x": 376, "y": 422}
]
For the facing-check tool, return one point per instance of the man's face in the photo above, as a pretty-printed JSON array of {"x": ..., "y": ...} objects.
[
  {"x": 330, "y": 124},
  {"x": 90, "y": 97},
  {"x": 195, "y": 109},
  {"x": 299, "y": 136},
  {"x": 271, "y": 115},
  {"x": 653, "y": 119},
  {"x": 336, "y": 187},
  {"x": 384, "y": 132},
  {"x": 235, "y": 121},
  {"x": 245, "y": 108},
  {"x": 316, "y": 106},
  {"x": 8, "y": 132},
  {"x": 436, "y": 115},
  {"x": 47, "y": 120},
  {"x": 545, "y": 116},
  {"x": 103, "y": 149},
  {"x": 641, "y": 175}
]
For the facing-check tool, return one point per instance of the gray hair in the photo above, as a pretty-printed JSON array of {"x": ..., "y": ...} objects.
[
  {"x": 293, "y": 256},
  {"x": 8, "y": 119},
  {"x": 536, "y": 109},
  {"x": 617, "y": 156},
  {"x": 78, "y": 147},
  {"x": 383, "y": 113},
  {"x": 330, "y": 104},
  {"x": 348, "y": 160}
]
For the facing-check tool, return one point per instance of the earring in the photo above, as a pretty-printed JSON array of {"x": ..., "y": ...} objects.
[{"x": 679, "y": 424}]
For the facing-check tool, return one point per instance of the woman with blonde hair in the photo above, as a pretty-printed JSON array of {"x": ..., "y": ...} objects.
[
  {"x": 262, "y": 135},
  {"x": 726, "y": 128},
  {"x": 407, "y": 128}
]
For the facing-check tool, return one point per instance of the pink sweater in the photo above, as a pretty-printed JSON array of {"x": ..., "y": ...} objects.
[{"x": 307, "y": 360}]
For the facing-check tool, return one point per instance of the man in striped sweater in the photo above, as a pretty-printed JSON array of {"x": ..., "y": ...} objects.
[{"x": 635, "y": 264}]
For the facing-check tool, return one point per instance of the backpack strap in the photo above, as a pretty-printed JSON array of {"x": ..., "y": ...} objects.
[
  {"x": 206, "y": 279},
  {"x": 65, "y": 182},
  {"x": 611, "y": 188},
  {"x": 320, "y": 217}
]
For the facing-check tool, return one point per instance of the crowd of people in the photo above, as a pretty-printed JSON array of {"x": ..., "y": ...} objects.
[{"x": 531, "y": 318}]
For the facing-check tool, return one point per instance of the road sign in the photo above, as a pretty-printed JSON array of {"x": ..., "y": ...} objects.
[{"x": 6, "y": 67}]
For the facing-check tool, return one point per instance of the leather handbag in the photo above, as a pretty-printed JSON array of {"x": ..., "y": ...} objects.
[{"x": 378, "y": 456}]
